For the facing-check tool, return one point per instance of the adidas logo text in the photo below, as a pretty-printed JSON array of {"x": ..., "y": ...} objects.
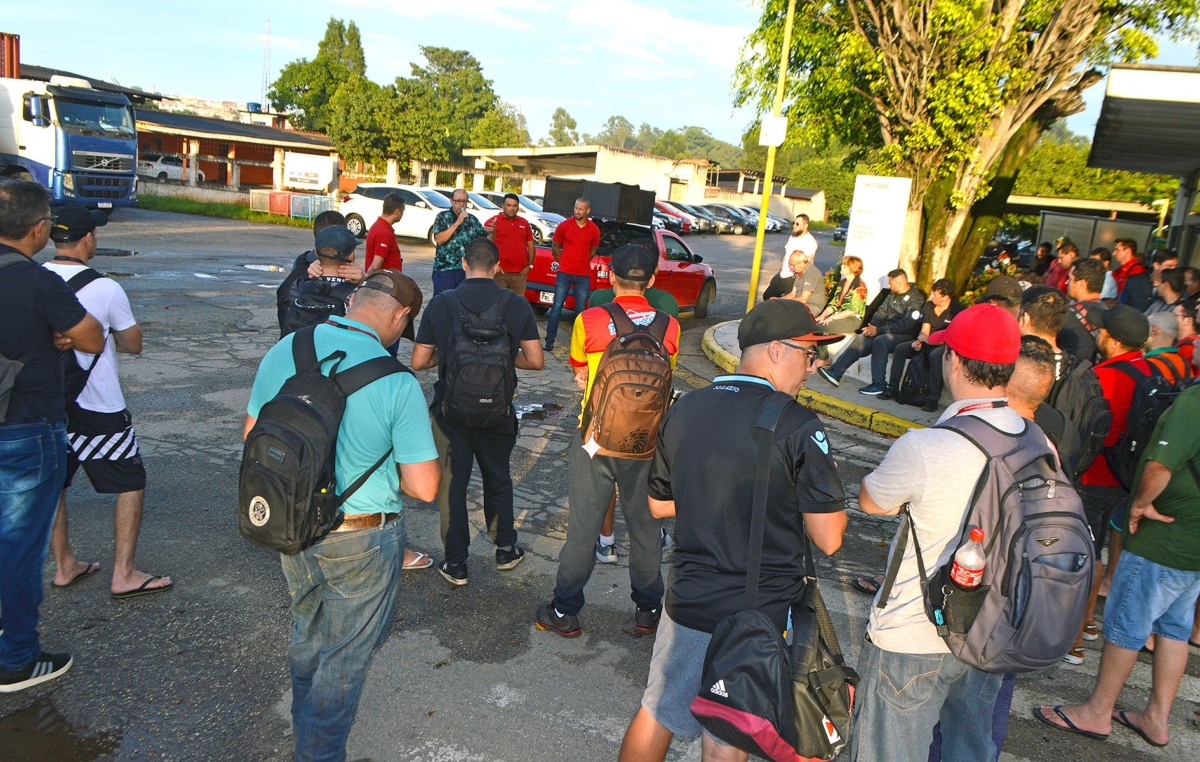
[{"x": 719, "y": 689}]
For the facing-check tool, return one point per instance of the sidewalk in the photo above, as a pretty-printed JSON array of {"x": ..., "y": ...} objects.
[{"x": 841, "y": 402}]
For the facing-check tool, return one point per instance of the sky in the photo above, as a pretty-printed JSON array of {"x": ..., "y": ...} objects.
[{"x": 666, "y": 62}]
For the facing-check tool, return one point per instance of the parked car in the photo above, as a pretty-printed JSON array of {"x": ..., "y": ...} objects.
[
  {"x": 680, "y": 272},
  {"x": 669, "y": 222},
  {"x": 708, "y": 221},
  {"x": 542, "y": 222},
  {"x": 739, "y": 224},
  {"x": 772, "y": 223},
  {"x": 719, "y": 224},
  {"x": 700, "y": 223},
  {"x": 478, "y": 206},
  {"x": 163, "y": 167},
  {"x": 657, "y": 222},
  {"x": 784, "y": 225},
  {"x": 670, "y": 211},
  {"x": 363, "y": 205},
  {"x": 842, "y": 230}
]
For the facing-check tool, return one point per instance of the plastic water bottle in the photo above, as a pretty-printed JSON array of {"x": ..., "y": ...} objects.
[{"x": 967, "y": 570}]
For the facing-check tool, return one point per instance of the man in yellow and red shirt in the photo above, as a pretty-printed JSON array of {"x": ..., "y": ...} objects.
[
  {"x": 593, "y": 478},
  {"x": 514, "y": 238},
  {"x": 575, "y": 243}
]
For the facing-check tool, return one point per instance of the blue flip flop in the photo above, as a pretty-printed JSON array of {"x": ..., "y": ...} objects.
[
  {"x": 1070, "y": 727},
  {"x": 1122, "y": 719}
]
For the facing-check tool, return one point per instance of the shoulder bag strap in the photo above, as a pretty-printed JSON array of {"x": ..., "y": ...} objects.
[
  {"x": 907, "y": 528},
  {"x": 764, "y": 429}
]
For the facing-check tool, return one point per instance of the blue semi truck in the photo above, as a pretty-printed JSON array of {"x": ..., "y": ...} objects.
[{"x": 76, "y": 140}]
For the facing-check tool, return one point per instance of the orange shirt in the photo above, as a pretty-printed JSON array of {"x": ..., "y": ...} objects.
[{"x": 594, "y": 330}]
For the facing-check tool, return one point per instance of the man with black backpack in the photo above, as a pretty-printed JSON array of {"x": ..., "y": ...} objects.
[
  {"x": 99, "y": 427},
  {"x": 936, "y": 647},
  {"x": 306, "y": 267},
  {"x": 324, "y": 296},
  {"x": 482, "y": 333},
  {"x": 329, "y": 400},
  {"x": 623, "y": 355}
]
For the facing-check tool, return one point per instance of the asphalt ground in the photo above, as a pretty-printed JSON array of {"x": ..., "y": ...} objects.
[{"x": 200, "y": 672}]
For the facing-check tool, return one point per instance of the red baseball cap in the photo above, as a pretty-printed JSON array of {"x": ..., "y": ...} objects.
[{"x": 984, "y": 332}]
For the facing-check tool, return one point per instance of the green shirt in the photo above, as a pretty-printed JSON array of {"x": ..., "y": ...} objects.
[
  {"x": 449, "y": 255},
  {"x": 659, "y": 300},
  {"x": 1175, "y": 444}
]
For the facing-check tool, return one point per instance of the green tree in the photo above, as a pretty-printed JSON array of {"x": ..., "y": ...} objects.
[
  {"x": 445, "y": 98},
  {"x": 952, "y": 93},
  {"x": 670, "y": 144},
  {"x": 358, "y": 113},
  {"x": 343, "y": 43},
  {"x": 1057, "y": 167},
  {"x": 702, "y": 145},
  {"x": 646, "y": 137},
  {"x": 562, "y": 129},
  {"x": 501, "y": 127},
  {"x": 304, "y": 87},
  {"x": 617, "y": 131}
]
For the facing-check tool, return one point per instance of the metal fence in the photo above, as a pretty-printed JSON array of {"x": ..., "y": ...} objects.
[{"x": 289, "y": 204}]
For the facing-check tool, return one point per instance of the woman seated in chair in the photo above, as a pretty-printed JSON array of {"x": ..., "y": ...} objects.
[{"x": 844, "y": 312}]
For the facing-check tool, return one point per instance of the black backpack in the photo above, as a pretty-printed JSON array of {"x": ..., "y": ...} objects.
[
  {"x": 290, "y": 288},
  {"x": 480, "y": 378},
  {"x": 915, "y": 387},
  {"x": 319, "y": 299},
  {"x": 1079, "y": 396},
  {"x": 75, "y": 376},
  {"x": 1152, "y": 395},
  {"x": 287, "y": 491}
]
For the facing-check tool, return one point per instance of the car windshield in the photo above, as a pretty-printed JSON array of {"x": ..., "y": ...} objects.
[
  {"x": 614, "y": 238},
  {"x": 436, "y": 199},
  {"x": 530, "y": 204},
  {"x": 94, "y": 118},
  {"x": 481, "y": 202}
]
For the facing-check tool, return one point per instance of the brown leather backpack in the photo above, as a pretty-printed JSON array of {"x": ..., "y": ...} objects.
[{"x": 631, "y": 390}]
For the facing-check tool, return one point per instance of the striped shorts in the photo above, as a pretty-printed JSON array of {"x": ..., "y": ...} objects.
[{"x": 106, "y": 445}]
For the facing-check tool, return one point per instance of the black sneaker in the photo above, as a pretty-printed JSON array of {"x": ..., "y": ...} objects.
[
  {"x": 646, "y": 620},
  {"x": 548, "y": 346},
  {"x": 828, "y": 376},
  {"x": 508, "y": 558},
  {"x": 887, "y": 394},
  {"x": 455, "y": 574},
  {"x": 46, "y": 667},
  {"x": 547, "y": 618},
  {"x": 930, "y": 406}
]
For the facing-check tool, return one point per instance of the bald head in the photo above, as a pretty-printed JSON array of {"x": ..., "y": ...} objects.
[{"x": 1032, "y": 376}]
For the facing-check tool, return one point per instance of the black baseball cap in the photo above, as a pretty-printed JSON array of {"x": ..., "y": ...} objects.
[
  {"x": 1126, "y": 325},
  {"x": 74, "y": 221},
  {"x": 780, "y": 320},
  {"x": 336, "y": 242},
  {"x": 1005, "y": 287},
  {"x": 634, "y": 262}
]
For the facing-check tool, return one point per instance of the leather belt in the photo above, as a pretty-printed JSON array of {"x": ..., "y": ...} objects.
[{"x": 358, "y": 521}]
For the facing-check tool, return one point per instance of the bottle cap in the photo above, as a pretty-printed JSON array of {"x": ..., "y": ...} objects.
[{"x": 976, "y": 534}]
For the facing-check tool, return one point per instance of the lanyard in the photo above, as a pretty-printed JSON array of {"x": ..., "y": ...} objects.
[
  {"x": 982, "y": 405},
  {"x": 65, "y": 258},
  {"x": 351, "y": 328}
]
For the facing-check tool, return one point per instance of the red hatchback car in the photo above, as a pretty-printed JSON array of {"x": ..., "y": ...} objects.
[{"x": 680, "y": 272}]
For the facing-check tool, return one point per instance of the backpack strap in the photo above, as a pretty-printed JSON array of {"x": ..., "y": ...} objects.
[
  {"x": 82, "y": 278},
  {"x": 353, "y": 379},
  {"x": 1130, "y": 370},
  {"x": 621, "y": 322},
  {"x": 12, "y": 258},
  {"x": 304, "y": 352},
  {"x": 764, "y": 428}
]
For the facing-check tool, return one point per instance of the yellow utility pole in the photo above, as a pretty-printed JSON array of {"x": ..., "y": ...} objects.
[{"x": 769, "y": 184}]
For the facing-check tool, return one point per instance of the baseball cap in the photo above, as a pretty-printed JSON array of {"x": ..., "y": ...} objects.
[
  {"x": 401, "y": 288},
  {"x": 1005, "y": 287},
  {"x": 336, "y": 242},
  {"x": 779, "y": 320},
  {"x": 984, "y": 332},
  {"x": 1126, "y": 325},
  {"x": 74, "y": 221},
  {"x": 634, "y": 262}
]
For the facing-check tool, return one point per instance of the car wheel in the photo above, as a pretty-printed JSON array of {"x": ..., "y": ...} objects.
[
  {"x": 739, "y": 229},
  {"x": 356, "y": 225},
  {"x": 162, "y": 176},
  {"x": 537, "y": 236},
  {"x": 707, "y": 293},
  {"x": 430, "y": 237}
]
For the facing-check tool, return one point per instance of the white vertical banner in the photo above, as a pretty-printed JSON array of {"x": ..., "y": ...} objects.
[{"x": 877, "y": 216}]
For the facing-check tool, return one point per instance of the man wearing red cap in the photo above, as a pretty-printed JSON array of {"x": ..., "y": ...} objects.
[{"x": 903, "y": 648}]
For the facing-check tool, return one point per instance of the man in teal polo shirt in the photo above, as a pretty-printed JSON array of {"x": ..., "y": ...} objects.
[{"x": 343, "y": 588}]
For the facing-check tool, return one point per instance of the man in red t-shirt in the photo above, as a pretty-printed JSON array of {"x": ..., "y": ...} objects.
[
  {"x": 1123, "y": 331},
  {"x": 575, "y": 243},
  {"x": 382, "y": 253},
  {"x": 514, "y": 238},
  {"x": 1061, "y": 269}
]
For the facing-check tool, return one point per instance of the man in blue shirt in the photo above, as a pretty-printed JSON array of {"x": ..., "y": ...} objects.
[{"x": 343, "y": 588}]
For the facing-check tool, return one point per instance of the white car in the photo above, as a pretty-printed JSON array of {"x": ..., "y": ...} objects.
[
  {"x": 363, "y": 205},
  {"x": 479, "y": 207},
  {"x": 163, "y": 167},
  {"x": 543, "y": 223}
]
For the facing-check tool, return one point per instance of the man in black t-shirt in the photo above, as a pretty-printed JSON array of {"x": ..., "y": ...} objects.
[
  {"x": 711, "y": 499},
  {"x": 39, "y": 313},
  {"x": 459, "y": 445}
]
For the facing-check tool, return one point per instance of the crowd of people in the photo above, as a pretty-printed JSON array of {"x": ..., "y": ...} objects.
[{"x": 1057, "y": 358}]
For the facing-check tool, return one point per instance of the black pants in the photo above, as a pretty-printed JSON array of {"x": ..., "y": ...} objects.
[
  {"x": 458, "y": 449},
  {"x": 928, "y": 353}
]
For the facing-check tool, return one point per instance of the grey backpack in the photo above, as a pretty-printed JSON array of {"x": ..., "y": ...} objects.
[{"x": 1039, "y": 557}]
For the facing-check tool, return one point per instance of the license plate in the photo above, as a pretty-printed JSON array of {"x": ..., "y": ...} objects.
[
  {"x": 546, "y": 297},
  {"x": 104, "y": 204}
]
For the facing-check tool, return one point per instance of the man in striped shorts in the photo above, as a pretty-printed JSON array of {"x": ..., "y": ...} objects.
[{"x": 99, "y": 428}]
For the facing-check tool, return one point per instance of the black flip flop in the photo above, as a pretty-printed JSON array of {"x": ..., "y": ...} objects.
[
  {"x": 1122, "y": 719},
  {"x": 143, "y": 590},
  {"x": 1070, "y": 726},
  {"x": 88, "y": 571},
  {"x": 865, "y": 584}
]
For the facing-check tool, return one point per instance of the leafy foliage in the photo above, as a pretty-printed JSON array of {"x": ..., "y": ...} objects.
[
  {"x": 562, "y": 129},
  {"x": 501, "y": 126},
  {"x": 304, "y": 88}
]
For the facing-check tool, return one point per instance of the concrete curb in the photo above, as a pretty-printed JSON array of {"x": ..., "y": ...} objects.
[{"x": 822, "y": 404}]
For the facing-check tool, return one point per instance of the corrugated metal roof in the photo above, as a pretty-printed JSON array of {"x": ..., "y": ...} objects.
[
  {"x": 204, "y": 126},
  {"x": 43, "y": 74}
]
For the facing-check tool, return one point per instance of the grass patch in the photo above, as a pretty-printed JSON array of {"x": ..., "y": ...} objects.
[
  {"x": 216, "y": 209},
  {"x": 818, "y": 225},
  {"x": 838, "y": 243}
]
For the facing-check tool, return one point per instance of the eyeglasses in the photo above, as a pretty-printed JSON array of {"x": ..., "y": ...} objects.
[
  {"x": 459, "y": 200},
  {"x": 812, "y": 353}
]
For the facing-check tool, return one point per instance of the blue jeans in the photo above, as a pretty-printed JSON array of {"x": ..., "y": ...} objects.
[
  {"x": 444, "y": 280},
  {"x": 33, "y": 465},
  {"x": 343, "y": 590},
  {"x": 878, "y": 347},
  {"x": 564, "y": 283},
  {"x": 902, "y": 696}
]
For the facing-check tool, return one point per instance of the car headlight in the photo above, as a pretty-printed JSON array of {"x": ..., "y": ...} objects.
[{"x": 552, "y": 224}]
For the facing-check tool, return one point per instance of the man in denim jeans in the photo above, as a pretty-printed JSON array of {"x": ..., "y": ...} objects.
[
  {"x": 343, "y": 588},
  {"x": 575, "y": 243},
  {"x": 910, "y": 680},
  {"x": 38, "y": 311}
]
